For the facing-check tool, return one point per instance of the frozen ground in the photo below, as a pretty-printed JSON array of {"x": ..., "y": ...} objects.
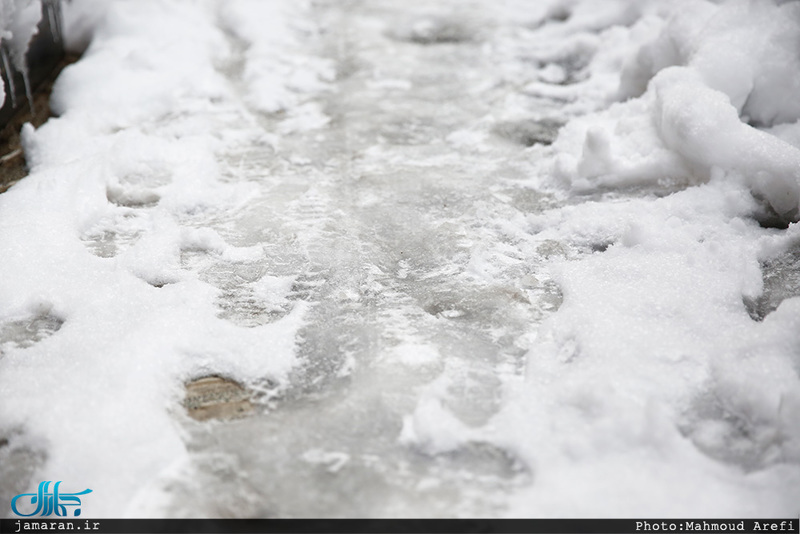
[{"x": 354, "y": 209}]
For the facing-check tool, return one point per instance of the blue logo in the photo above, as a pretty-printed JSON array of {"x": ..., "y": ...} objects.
[{"x": 47, "y": 503}]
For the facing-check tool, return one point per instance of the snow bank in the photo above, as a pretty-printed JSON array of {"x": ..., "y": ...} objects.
[
  {"x": 704, "y": 95},
  {"x": 651, "y": 390}
]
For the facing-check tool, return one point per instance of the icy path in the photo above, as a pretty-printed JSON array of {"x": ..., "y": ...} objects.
[
  {"x": 352, "y": 209},
  {"x": 418, "y": 302}
]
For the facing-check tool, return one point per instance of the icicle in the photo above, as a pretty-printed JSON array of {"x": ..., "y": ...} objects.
[
  {"x": 53, "y": 8},
  {"x": 3, "y": 89},
  {"x": 10, "y": 74},
  {"x": 28, "y": 93}
]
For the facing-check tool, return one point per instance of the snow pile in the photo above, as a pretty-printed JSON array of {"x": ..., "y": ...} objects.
[
  {"x": 651, "y": 390},
  {"x": 18, "y": 22},
  {"x": 707, "y": 92},
  {"x": 652, "y": 374}
]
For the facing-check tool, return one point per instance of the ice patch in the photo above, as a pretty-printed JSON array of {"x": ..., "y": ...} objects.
[
  {"x": 23, "y": 333},
  {"x": 435, "y": 30}
]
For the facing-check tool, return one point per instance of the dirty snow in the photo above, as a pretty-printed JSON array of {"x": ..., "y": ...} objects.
[{"x": 473, "y": 259}]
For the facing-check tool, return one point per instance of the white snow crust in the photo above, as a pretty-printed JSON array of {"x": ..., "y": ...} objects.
[{"x": 352, "y": 211}]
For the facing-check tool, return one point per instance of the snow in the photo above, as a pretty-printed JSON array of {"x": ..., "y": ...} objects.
[
  {"x": 697, "y": 106},
  {"x": 80, "y": 19},
  {"x": 636, "y": 367},
  {"x": 355, "y": 211}
]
